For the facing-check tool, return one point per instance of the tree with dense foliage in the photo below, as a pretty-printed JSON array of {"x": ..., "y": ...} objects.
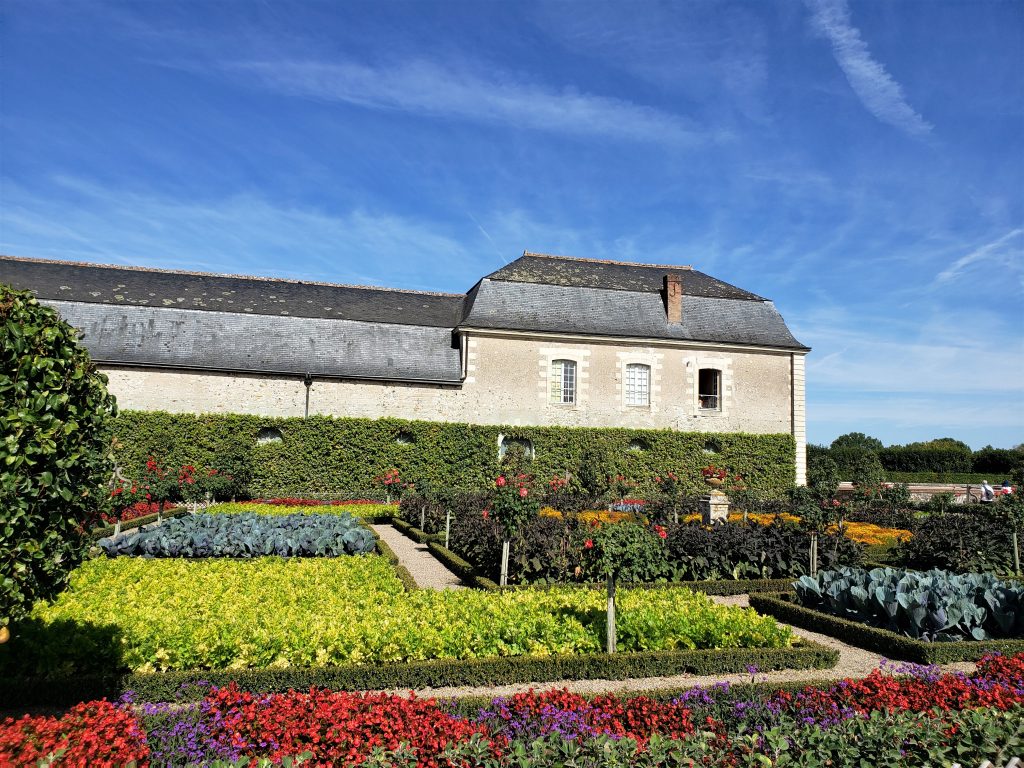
[
  {"x": 55, "y": 452},
  {"x": 857, "y": 440}
]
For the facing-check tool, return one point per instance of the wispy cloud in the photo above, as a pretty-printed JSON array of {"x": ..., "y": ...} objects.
[
  {"x": 425, "y": 88},
  {"x": 881, "y": 95},
  {"x": 242, "y": 234},
  {"x": 994, "y": 250}
]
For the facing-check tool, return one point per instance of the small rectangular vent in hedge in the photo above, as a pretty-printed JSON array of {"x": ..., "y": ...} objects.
[
  {"x": 329, "y": 457},
  {"x": 246, "y": 535}
]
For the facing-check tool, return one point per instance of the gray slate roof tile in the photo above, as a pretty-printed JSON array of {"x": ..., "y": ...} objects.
[
  {"x": 542, "y": 269},
  {"x": 499, "y": 304},
  {"x": 152, "y": 317},
  {"x": 228, "y": 341},
  {"x": 131, "y": 286}
]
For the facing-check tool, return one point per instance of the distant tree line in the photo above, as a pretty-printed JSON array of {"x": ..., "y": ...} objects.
[{"x": 857, "y": 454}]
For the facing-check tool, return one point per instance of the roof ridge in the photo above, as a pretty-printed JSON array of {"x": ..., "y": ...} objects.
[
  {"x": 193, "y": 273},
  {"x": 606, "y": 261}
]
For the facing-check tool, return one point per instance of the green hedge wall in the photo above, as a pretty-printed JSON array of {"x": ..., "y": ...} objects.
[
  {"x": 328, "y": 457},
  {"x": 164, "y": 686}
]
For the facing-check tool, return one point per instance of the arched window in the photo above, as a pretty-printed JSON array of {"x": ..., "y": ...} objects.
[
  {"x": 709, "y": 389},
  {"x": 268, "y": 435},
  {"x": 563, "y": 381},
  {"x": 638, "y": 384}
]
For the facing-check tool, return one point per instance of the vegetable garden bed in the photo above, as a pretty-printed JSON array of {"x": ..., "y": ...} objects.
[
  {"x": 891, "y": 644},
  {"x": 720, "y": 587},
  {"x": 468, "y": 572},
  {"x": 370, "y": 511},
  {"x": 350, "y": 623},
  {"x": 217, "y": 613}
]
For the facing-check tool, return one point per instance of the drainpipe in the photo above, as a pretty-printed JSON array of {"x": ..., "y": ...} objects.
[{"x": 308, "y": 381}]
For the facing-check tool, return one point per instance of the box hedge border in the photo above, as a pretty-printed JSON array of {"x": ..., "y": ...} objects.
[
  {"x": 164, "y": 686},
  {"x": 328, "y": 457},
  {"x": 892, "y": 645}
]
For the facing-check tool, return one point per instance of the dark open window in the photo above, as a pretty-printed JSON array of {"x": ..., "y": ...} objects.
[{"x": 709, "y": 389}]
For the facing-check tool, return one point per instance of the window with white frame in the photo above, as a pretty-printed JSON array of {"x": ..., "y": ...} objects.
[
  {"x": 638, "y": 384},
  {"x": 563, "y": 382},
  {"x": 709, "y": 389}
]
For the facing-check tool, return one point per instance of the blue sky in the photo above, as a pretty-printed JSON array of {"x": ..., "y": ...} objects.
[{"x": 862, "y": 164}]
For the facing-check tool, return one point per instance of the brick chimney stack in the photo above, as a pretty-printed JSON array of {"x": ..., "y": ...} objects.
[{"x": 674, "y": 297}]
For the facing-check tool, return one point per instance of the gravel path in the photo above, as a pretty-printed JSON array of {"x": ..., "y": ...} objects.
[
  {"x": 430, "y": 574},
  {"x": 426, "y": 570}
]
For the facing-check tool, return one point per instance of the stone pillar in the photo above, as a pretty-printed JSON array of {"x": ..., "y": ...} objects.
[{"x": 714, "y": 508}]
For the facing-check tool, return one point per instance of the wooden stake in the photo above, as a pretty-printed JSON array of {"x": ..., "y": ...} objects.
[
  {"x": 611, "y": 614},
  {"x": 503, "y": 579}
]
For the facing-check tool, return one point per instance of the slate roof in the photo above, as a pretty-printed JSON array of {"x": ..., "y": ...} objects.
[
  {"x": 543, "y": 269},
  {"x": 134, "y": 286},
  {"x": 255, "y": 343},
  {"x": 501, "y": 304},
  {"x": 149, "y": 317}
]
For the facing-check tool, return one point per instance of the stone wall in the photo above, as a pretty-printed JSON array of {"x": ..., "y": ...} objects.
[{"x": 507, "y": 382}]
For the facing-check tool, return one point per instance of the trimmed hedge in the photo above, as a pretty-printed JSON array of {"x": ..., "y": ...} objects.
[
  {"x": 461, "y": 568},
  {"x": 909, "y": 458},
  {"x": 137, "y": 522},
  {"x": 414, "y": 533},
  {"x": 892, "y": 645},
  {"x": 329, "y": 457},
  {"x": 946, "y": 478},
  {"x": 422, "y": 674}
]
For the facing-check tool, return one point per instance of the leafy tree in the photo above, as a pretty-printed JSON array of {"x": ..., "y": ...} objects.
[
  {"x": 941, "y": 443},
  {"x": 866, "y": 472},
  {"x": 624, "y": 550},
  {"x": 823, "y": 476},
  {"x": 857, "y": 440},
  {"x": 55, "y": 457}
]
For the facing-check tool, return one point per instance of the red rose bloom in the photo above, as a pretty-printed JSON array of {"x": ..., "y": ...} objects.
[
  {"x": 588, "y": 544},
  {"x": 500, "y": 482}
]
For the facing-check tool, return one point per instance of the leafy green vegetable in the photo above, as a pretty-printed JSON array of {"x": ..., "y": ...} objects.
[
  {"x": 246, "y": 535},
  {"x": 218, "y": 613}
]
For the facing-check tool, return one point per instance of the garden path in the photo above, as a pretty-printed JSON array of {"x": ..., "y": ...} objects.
[
  {"x": 430, "y": 574},
  {"x": 426, "y": 570}
]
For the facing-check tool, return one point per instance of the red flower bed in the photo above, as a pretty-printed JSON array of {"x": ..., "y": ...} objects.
[
  {"x": 94, "y": 734},
  {"x": 997, "y": 683},
  {"x": 136, "y": 510},
  {"x": 538, "y": 713},
  {"x": 339, "y": 728}
]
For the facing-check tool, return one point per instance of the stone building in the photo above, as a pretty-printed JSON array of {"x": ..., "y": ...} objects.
[{"x": 545, "y": 340}]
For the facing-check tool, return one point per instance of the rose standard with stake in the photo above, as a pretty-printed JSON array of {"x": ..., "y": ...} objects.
[
  {"x": 615, "y": 548},
  {"x": 513, "y": 504}
]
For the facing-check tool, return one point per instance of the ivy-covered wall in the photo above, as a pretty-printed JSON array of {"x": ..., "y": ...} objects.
[{"x": 340, "y": 457}]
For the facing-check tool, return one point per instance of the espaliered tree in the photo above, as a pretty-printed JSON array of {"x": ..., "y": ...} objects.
[{"x": 55, "y": 452}]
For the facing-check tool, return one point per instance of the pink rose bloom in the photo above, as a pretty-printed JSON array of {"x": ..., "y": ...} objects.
[
  {"x": 523, "y": 492},
  {"x": 500, "y": 482}
]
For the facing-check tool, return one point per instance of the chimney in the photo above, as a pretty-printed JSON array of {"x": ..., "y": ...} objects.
[{"x": 674, "y": 297}]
